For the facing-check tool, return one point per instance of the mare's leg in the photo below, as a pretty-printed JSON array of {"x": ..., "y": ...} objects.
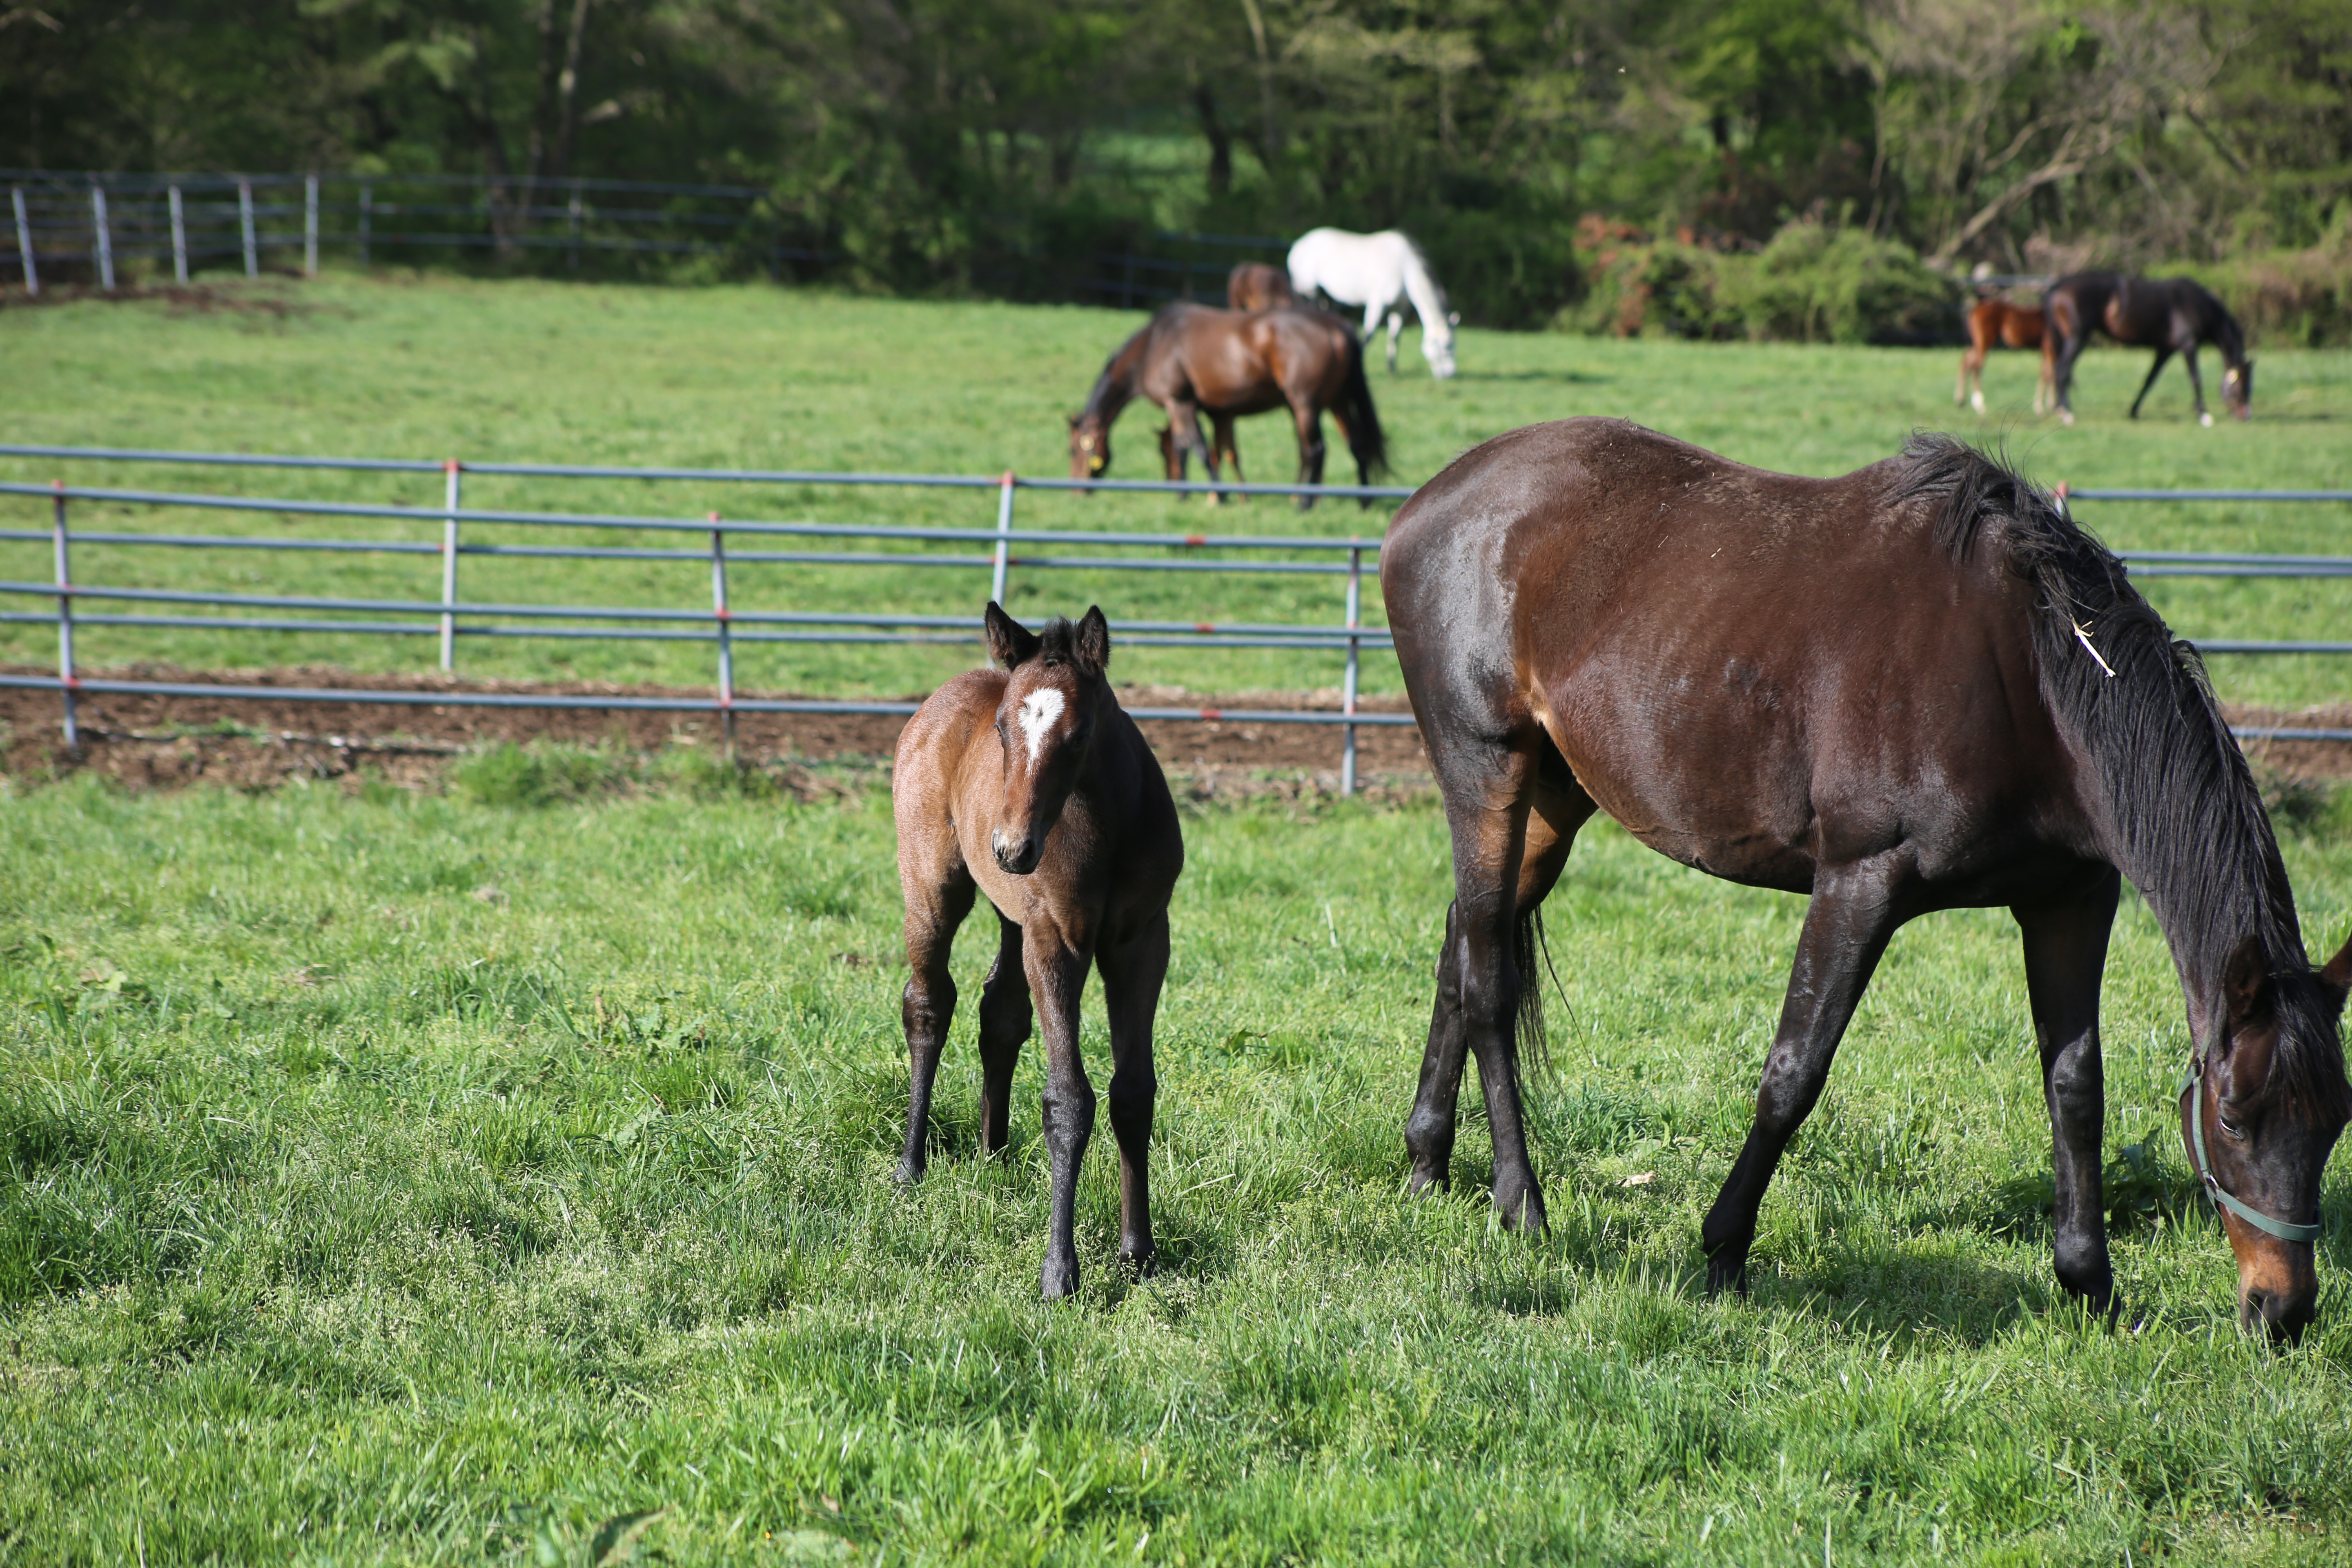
[
  {"x": 2065, "y": 954},
  {"x": 1396, "y": 330},
  {"x": 1558, "y": 809},
  {"x": 1131, "y": 980},
  {"x": 2070, "y": 349},
  {"x": 2163, "y": 354},
  {"x": 1004, "y": 1023},
  {"x": 1311, "y": 450},
  {"x": 1222, "y": 425},
  {"x": 1855, "y": 911},
  {"x": 1058, "y": 977},
  {"x": 2196, "y": 383},
  {"x": 939, "y": 890}
]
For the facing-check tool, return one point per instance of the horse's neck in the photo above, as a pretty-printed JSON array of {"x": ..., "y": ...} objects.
[{"x": 1115, "y": 388}]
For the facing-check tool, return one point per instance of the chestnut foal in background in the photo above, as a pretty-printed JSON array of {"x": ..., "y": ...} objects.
[{"x": 1030, "y": 784}]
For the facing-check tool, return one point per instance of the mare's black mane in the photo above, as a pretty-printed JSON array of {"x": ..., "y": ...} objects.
[{"x": 2193, "y": 835}]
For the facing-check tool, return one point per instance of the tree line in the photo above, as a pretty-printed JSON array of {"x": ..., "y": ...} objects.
[{"x": 994, "y": 145}]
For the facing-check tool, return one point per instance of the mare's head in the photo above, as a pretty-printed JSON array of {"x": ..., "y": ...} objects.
[
  {"x": 2267, "y": 1093},
  {"x": 1046, "y": 725},
  {"x": 2238, "y": 387},
  {"x": 1089, "y": 446}
]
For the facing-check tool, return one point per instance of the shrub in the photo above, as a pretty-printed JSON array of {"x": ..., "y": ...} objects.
[
  {"x": 1811, "y": 283},
  {"x": 2298, "y": 297}
]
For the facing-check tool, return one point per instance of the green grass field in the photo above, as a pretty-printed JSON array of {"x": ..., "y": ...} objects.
[
  {"x": 465, "y": 1178},
  {"x": 437, "y": 1180},
  {"x": 432, "y": 367}
]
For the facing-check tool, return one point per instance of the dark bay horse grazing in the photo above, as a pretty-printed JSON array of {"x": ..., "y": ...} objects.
[
  {"x": 1030, "y": 784},
  {"x": 2170, "y": 315},
  {"x": 1194, "y": 359},
  {"x": 1996, "y": 323},
  {"x": 1255, "y": 286},
  {"x": 1918, "y": 687}
]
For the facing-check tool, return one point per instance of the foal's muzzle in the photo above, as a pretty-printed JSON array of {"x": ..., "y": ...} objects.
[{"x": 1017, "y": 856}]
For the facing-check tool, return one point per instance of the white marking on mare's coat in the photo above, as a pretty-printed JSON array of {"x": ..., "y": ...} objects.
[{"x": 1039, "y": 710}]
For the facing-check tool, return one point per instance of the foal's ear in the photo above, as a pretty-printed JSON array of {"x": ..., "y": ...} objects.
[
  {"x": 2246, "y": 983},
  {"x": 1093, "y": 637},
  {"x": 2335, "y": 980},
  {"x": 1009, "y": 642}
]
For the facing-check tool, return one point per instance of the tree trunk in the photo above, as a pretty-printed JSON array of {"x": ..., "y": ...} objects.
[{"x": 1221, "y": 141}]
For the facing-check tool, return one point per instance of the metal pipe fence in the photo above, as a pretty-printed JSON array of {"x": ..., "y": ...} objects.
[
  {"x": 90, "y": 218},
  {"x": 450, "y": 618}
]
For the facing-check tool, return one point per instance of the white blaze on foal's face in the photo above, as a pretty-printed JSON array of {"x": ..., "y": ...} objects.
[{"x": 1039, "y": 711}]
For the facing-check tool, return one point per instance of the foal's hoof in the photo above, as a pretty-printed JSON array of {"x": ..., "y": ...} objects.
[
  {"x": 909, "y": 1172},
  {"x": 1522, "y": 1210},
  {"x": 1060, "y": 1280},
  {"x": 2206, "y": 420},
  {"x": 1727, "y": 1273},
  {"x": 1139, "y": 1261}
]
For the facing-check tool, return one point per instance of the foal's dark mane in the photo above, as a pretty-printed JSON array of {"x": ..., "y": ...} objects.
[
  {"x": 2193, "y": 836},
  {"x": 1058, "y": 642}
]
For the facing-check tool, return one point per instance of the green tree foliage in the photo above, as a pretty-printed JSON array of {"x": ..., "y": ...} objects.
[{"x": 997, "y": 146}]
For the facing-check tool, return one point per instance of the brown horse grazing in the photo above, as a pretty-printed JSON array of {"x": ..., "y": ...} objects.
[
  {"x": 1918, "y": 687},
  {"x": 2170, "y": 315},
  {"x": 1997, "y": 324},
  {"x": 1194, "y": 359},
  {"x": 1255, "y": 286},
  {"x": 1032, "y": 785}
]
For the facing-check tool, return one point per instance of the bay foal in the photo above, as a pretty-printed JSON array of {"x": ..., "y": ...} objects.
[{"x": 1030, "y": 784}]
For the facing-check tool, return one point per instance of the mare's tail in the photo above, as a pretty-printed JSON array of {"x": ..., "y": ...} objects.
[{"x": 1355, "y": 409}]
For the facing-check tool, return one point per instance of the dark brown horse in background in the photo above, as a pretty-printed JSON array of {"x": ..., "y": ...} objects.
[
  {"x": 1916, "y": 687},
  {"x": 1032, "y": 785},
  {"x": 1255, "y": 286},
  {"x": 1996, "y": 323},
  {"x": 2170, "y": 315},
  {"x": 1194, "y": 359}
]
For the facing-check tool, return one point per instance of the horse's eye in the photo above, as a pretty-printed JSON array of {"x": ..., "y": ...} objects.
[{"x": 2229, "y": 1129}]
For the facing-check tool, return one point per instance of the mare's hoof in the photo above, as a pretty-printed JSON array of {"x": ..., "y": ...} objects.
[
  {"x": 1060, "y": 1280},
  {"x": 908, "y": 1173},
  {"x": 1139, "y": 1263},
  {"x": 1726, "y": 1274},
  {"x": 1430, "y": 1181},
  {"x": 1522, "y": 1211}
]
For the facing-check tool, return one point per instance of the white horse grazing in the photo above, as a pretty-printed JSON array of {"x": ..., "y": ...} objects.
[{"x": 1379, "y": 272}]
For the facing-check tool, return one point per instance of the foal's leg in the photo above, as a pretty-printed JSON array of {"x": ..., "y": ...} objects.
[
  {"x": 1057, "y": 978},
  {"x": 1855, "y": 911},
  {"x": 1560, "y": 807},
  {"x": 1004, "y": 1023},
  {"x": 1131, "y": 980},
  {"x": 1396, "y": 330},
  {"x": 1222, "y": 425},
  {"x": 1184, "y": 433},
  {"x": 939, "y": 890},
  {"x": 2163, "y": 354},
  {"x": 2066, "y": 953}
]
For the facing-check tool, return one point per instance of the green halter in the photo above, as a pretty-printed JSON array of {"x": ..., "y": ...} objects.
[{"x": 2244, "y": 1211}]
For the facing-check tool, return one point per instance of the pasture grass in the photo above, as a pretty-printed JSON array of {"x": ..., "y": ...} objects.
[
  {"x": 423, "y": 365},
  {"x": 424, "y": 1179}
]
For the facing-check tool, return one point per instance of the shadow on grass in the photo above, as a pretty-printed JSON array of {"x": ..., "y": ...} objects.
[{"x": 1565, "y": 377}]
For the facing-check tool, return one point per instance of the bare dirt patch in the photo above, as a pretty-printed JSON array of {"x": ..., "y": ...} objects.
[{"x": 161, "y": 743}]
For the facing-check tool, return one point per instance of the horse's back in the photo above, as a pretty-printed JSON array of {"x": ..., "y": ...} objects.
[{"x": 1741, "y": 667}]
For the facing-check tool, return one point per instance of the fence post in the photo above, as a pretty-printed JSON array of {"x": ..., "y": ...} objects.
[
  {"x": 179, "y": 238},
  {"x": 726, "y": 640},
  {"x": 244, "y": 214},
  {"x": 1003, "y": 537},
  {"x": 575, "y": 225},
  {"x": 25, "y": 244},
  {"x": 310, "y": 225},
  {"x": 105, "y": 238},
  {"x": 65, "y": 621},
  {"x": 367, "y": 212},
  {"x": 452, "y": 468},
  {"x": 1347, "y": 687}
]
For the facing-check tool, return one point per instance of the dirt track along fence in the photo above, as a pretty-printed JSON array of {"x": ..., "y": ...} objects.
[
  {"x": 449, "y": 618},
  {"x": 84, "y": 221}
]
